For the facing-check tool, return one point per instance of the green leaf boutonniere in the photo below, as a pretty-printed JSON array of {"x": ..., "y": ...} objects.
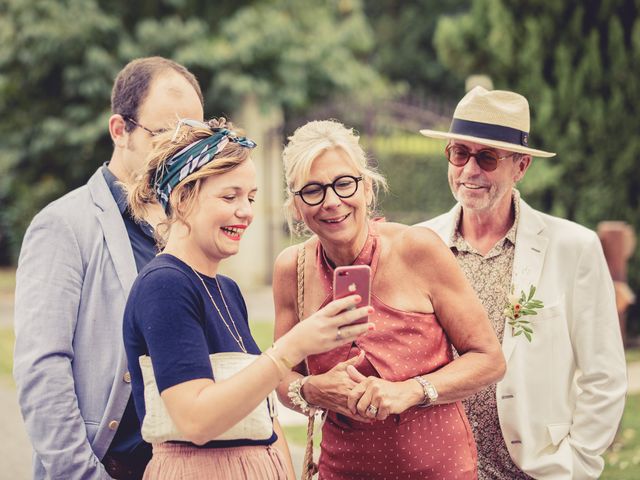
[{"x": 519, "y": 307}]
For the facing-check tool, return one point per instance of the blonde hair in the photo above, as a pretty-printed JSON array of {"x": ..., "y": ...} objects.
[
  {"x": 309, "y": 142},
  {"x": 141, "y": 194}
]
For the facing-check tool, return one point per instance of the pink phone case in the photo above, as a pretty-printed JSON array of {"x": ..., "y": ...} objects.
[{"x": 350, "y": 280}]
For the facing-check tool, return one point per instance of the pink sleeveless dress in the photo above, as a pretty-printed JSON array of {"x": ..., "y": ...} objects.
[{"x": 420, "y": 443}]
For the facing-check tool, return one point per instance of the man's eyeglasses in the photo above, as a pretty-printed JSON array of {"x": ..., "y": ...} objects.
[
  {"x": 153, "y": 133},
  {"x": 314, "y": 193},
  {"x": 487, "y": 160}
]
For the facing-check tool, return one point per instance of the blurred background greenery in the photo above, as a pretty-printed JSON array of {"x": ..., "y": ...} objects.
[{"x": 386, "y": 67}]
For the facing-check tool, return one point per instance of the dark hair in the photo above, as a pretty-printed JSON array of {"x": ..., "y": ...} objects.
[{"x": 131, "y": 86}]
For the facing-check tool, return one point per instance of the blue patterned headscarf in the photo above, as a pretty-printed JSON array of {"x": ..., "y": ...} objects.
[{"x": 192, "y": 158}]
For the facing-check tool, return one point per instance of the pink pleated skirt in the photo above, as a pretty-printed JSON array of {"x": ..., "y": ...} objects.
[{"x": 172, "y": 461}]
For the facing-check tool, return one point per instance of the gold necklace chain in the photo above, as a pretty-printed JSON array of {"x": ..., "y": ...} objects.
[{"x": 237, "y": 337}]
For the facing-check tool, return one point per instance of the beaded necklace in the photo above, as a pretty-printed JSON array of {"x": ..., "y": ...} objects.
[{"x": 237, "y": 337}]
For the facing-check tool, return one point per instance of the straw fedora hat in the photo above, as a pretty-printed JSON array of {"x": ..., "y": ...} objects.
[{"x": 495, "y": 118}]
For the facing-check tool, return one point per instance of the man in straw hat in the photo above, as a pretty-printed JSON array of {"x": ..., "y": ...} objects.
[{"x": 545, "y": 284}]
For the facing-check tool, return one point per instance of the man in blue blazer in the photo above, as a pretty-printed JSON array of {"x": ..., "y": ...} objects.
[{"x": 79, "y": 258}]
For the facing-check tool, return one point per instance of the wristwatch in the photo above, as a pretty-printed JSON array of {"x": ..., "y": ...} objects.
[{"x": 430, "y": 392}]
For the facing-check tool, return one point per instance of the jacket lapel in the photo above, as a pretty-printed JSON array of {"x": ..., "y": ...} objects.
[
  {"x": 530, "y": 249},
  {"x": 114, "y": 230},
  {"x": 531, "y": 246},
  {"x": 443, "y": 225}
]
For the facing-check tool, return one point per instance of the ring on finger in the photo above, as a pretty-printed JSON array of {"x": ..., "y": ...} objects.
[
  {"x": 373, "y": 410},
  {"x": 339, "y": 334}
]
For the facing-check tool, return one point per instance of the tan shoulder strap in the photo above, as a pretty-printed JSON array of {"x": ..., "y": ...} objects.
[
  {"x": 304, "y": 270},
  {"x": 300, "y": 280},
  {"x": 304, "y": 266}
]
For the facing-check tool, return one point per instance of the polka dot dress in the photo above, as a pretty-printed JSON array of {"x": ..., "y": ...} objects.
[{"x": 420, "y": 443}]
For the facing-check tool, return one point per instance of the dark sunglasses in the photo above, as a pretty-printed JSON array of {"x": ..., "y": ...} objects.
[
  {"x": 487, "y": 160},
  {"x": 314, "y": 193}
]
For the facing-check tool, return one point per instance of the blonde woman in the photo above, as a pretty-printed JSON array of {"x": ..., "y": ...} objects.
[
  {"x": 180, "y": 310},
  {"x": 375, "y": 388}
]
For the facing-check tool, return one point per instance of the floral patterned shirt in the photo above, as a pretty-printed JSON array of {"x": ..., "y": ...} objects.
[{"x": 490, "y": 277}]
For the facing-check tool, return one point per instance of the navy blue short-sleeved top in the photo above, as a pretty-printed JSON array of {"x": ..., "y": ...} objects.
[{"x": 170, "y": 317}]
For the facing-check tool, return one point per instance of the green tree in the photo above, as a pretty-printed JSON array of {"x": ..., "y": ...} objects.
[
  {"x": 58, "y": 59},
  {"x": 405, "y": 52},
  {"x": 578, "y": 63},
  {"x": 290, "y": 53}
]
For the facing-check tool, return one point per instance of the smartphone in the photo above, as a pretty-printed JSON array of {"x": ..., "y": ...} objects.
[{"x": 351, "y": 280}]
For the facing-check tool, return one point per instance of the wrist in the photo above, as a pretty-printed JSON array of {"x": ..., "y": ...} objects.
[
  {"x": 281, "y": 366},
  {"x": 307, "y": 390},
  {"x": 289, "y": 350},
  {"x": 297, "y": 399},
  {"x": 429, "y": 392},
  {"x": 414, "y": 393}
]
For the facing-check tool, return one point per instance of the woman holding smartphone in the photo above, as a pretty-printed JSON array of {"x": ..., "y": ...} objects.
[
  {"x": 375, "y": 387},
  {"x": 181, "y": 311}
]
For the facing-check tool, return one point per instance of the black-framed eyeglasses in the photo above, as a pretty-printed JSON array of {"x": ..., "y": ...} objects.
[
  {"x": 487, "y": 160},
  {"x": 153, "y": 133},
  {"x": 314, "y": 193}
]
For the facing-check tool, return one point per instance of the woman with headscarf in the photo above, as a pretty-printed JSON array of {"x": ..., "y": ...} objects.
[{"x": 185, "y": 323}]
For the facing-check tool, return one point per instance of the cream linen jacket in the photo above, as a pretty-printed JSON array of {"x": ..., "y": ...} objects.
[{"x": 562, "y": 397}]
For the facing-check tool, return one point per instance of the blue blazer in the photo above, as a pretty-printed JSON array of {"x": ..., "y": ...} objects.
[{"x": 75, "y": 270}]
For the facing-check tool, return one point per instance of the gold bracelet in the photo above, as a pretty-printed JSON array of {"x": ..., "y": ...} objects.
[
  {"x": 285, "y": 361},
  {"x": 279, "y": 365}
]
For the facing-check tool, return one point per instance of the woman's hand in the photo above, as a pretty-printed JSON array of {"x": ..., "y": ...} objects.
[
  {"x": 326, "y": 329},
  {"x": 331, "y": 390},
  {"x": 376, "y": 398}
]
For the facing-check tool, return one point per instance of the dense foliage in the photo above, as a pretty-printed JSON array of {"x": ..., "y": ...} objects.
[
  {"x": 405, "y": 52},
  {"x": 58, "y": 59},
  {"x": 578, "y": 63}
]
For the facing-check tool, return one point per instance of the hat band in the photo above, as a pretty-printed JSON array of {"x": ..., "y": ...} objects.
[{"x": 489, "y": 131}]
